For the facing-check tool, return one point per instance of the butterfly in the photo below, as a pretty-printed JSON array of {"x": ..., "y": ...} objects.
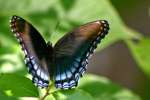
[{"x": 67, "y": 60}]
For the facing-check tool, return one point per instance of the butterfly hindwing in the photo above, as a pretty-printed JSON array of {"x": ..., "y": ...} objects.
[
  {"x": 72, "y": 51},
  {"x": 37, "y": 52}
]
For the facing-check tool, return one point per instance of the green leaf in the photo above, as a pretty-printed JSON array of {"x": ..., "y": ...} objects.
[
  {"x": 5, "y": 97},
  {"x": 12, "y": 63},
  {"x": 141, "y": 53},
  {"x": 18, "y": 86},
  {"x": 50, "y": 97},
  {"x": 28, "y": 98},
  {"x": 75, "y": 94},
  {"x": 24, "y": 7},
  {"x": 101, "y": 88}
]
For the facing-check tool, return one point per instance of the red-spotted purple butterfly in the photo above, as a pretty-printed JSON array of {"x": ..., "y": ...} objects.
[{"x": 64, "y": 63}]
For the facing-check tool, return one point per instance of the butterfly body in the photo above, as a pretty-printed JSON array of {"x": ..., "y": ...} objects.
[{"x": 64, "y": 63}]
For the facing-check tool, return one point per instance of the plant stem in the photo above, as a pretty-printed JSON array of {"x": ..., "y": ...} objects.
[{"x": 46, "y": 94}]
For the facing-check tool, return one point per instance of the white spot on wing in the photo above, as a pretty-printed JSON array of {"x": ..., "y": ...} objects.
[
  {"x": 57, "y": 77},
  {"x": 69, "y": 74},
  {"x": 33, "y": 61},
  {"x": 42, "y": 75},
  {"x": 18, "y": 39},
  {"x": 25, "y": 52},
  {"x": 58, "y": 85},
  {"x": 86, "y": 61},
  {"x": 38, "y": 72},
  {"x": 46, "y": 77},
  {"x": 12, "y": 30},
  {"x": 26, "y": 60},
  {"x": 63, "y": 76},
  {"x": 78, "y": 59},
  {"x": 16, "y": 34},
  {"x": 97, "y": 22},
  {"x": 40, "y": 82},
  {"x": 72, "y": 82},
  {"x": 65, "y": 84},
  {"x": 104, "y": 29},
  {"x": 87, "y": 54},
  {"x": 94, "y": 43},
  {"x": 35, "y": 79},
  {"x": 103, "y": 21},
  {"x": 14, "y": 17},
  {"x": 35, "y": 66},
  {"x": 105, "y": 25},
  {"x": 77, "y": 77},
  {"x": 73, "y": 69}
]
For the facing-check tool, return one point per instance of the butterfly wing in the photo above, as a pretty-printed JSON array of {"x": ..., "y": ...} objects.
[
  {"x": 72, "y": 51},
  {"x": 37, "y": 52}
]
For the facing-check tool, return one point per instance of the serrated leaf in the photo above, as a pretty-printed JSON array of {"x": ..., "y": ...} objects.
[{"x": 18, "y": 86}]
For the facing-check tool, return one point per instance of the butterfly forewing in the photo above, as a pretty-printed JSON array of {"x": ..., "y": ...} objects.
[
  {"x": 72, "y": 51},
  {"x": 37, "y": 52}
]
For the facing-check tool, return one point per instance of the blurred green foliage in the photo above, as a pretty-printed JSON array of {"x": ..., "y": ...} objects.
[{"x": 54, "y": 18}]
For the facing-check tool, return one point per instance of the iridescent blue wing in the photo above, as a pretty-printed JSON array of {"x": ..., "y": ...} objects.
[
  {"x": 72, "y": 51},
  {"x": 37, "y": 52}
]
